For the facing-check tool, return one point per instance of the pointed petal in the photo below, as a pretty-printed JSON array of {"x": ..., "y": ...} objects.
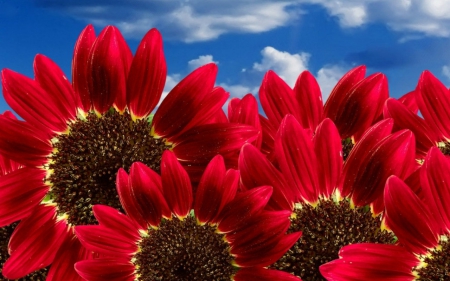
[
  {"x": 210, "y": 190},
  {"x": 109, "y": 63},
  {"x": 435, "y": 181},
  {"x": 51, "y": 78},
  {"x": 113, "y": 219},
  {"x": 409, "y": 101},
  {"x": 106, "y": 270},
  {"x": 176, "y": 185},
  {"x": 405, "y": 119},
  {"x": 309, "y": 98},
  {"x": 268, "y": 137},
  {"x": 257, "y": 171},
  {"x": 22, "y": 143},
  {"x": 229, "y": 190},
  {"x": 434, "y": 100},
  {"x": 146, "y": 189},
  {"x": 367, "y": 176},
  {"x": 408, "y": 217},
  {"x": 20, "y": 192},
  {"x": 34, "y": 243},
  {"x": 80, "y": 74},
  {"x": 371, "y": 262},
  {"x": 32, "y": 102},
  {"x": 263, "y": 274},
  {"x": 328, "y": 149},
  {"x": 181, "y": 105},
  {"x": 277, "y": 98},
  {"x": 244, "y": 206},
  {"x": 296, "y": 157},
  {"x": 147, "y": 75}
]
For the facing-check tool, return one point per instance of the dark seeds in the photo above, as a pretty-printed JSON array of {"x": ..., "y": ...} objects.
[
  {"x": 87, "y": 160},
  {"x": 184, "y": 251},
  {"x": 347, "y": 146},
  {"x": 326, "y": 228},
  {"x": 438, "y": 264}
]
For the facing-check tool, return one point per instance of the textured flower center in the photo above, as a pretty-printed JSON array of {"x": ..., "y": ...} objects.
[
  {"x": 326, "y": 228},
  {"x": 347, "y": 146},
  {"x": 5, "y": 234},
  {"x": 437, "y": 263},
  {"x": 444, "y": 147},
  {"x": 86, "y": 160},
  {"x": 183, "y": 251}
]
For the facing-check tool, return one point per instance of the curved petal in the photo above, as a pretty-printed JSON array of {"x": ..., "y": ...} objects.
[
  {"x": 147, "y": 194},
  {"x": 51, "y": 78},
  {"x": 435, "y": 181},
  {"x": 296, "y": 157},
  {"x": 106, "y": 270},
  {"x": 80, "y": 74},
  {"x": 113, "y": 219},
  {"x": 229, "y": 190},
  {"x": 309, "y": 99},
  {"x": 405, "y": 119},
  {"x": 408, "y": 217},
  {"x": 34, "y": 243},
  {"x": 109, "y": 63},
  {"x": 32, "y": 102},
  {"x": 328, "y": 149},
  {"x": 268, "y": 137},
  {"x": 181, "y": 105},
  {"x": 434, "y": 100},
  {"x": 409, "y": 101},
  {"x": 176, "y": 185},
  {"x": 371, "y": 262},
  {"x": 22, "y": 143},
  {"x": 257, "y": 171},
  {"x": 147, "y": 75},
  {"x": 277, "y": 98},
  {"x": 20, "y": 192},
  {"x": 263, "y": 274}
]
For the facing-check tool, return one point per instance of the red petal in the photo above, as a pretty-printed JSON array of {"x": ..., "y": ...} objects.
[
  {"x": 113, "y": 219},
  {"x": 405, "y": 119},
  {"x": 34, "y": 243},
  {"x": 257, "y": 171},
  {"x": 229, "y": 189},
  {"x": 359, "y": 108},
  {"x": 277, "y": 98},
  {"x": 309, "y": 99},
  {"x": 147, "y": 75},
  {"x": 146, "y": 189},
  {"x": 51, "y": 78},
  {"x": 109, "y": 63},
  {"x": 20, "y": 192},
  {"x": 32, "y": 102},
  {"x": 80, "y": 74},
  {"x": 263, "y": 274},
  {"x": 182, "y": 104},
  {"x": 371, "y": 262},
  {"x": 409, "y": 101},
  {"x": 268, "y": 137},
  {"x": 367, "y": 143},
  {"x": 434, "y": 100},
  {"x": 367, "y": 176},
  {"x": 328, "y": 149},
  {"x": 435, "y": 181},
  {"x": 176, "y": 185},
  {"x": 408, "y": 217},
  {"x": 296, "y": 157},
  {"x": 23, "y": 143},
  {"x": 106, "y": 270},
  {"x": 245, "y": 111}
]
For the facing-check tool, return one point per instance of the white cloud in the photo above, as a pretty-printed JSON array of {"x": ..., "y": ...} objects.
[
  {"x": 327, "y": 77},
  {"x": 446, "y": 71},
  {"x": 201, "y": 60},
  {"x": 287, "y": 66}
]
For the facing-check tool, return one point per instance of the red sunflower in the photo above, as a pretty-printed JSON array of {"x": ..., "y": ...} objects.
[
  {"x": 168, "y": 234},
  {"x": 75, "y": 137},
  {"x": 332, "y": 203},
  {"x": 421, "y": 225}
]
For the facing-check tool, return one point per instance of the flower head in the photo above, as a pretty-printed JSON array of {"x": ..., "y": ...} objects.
[{"x": 170, "y": 234}]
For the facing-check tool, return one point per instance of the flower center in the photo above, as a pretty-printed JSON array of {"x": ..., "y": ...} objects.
[
  {"x": 347, "y": 146},
  {"x": 437, "y": 263},
  {"x": 444, "y": 147},
  {"x": 183, "y": 250},
  {"x": 326, "y": 228},
  {"x": 5, "y": 234},
  {"x": 85, "y": 162}
]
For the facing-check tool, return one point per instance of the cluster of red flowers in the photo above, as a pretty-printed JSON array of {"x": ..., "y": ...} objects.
[{"x": 99, "y": 180}]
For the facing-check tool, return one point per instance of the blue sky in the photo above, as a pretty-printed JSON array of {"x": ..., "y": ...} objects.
[{"x": 245, "y": 37}]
